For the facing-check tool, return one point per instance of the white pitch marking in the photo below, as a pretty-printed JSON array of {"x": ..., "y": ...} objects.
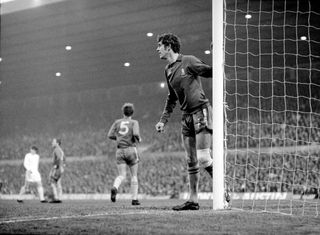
[
  {"x": 70, "y": 217},
  {"x": 30, "y": 219}
]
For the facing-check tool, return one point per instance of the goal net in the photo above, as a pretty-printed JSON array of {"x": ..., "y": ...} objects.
[{"x": 272, "y": 105}]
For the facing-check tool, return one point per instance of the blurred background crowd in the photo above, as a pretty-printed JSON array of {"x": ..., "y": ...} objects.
[{"x": 82, "y": 120}]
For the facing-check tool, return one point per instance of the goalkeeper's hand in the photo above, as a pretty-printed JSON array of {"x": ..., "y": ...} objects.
[{"x": 160, "y": 127}]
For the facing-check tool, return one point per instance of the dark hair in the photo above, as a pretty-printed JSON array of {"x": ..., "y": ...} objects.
[
  {"x": 128, "y": 109},
  {"x": 58, "y": 141},
  {"x": 35, "y": 148},
  {"x": 170, "y": 39}
]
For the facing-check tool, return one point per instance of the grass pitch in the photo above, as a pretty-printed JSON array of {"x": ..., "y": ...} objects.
[{"x": 152, "y": 217}]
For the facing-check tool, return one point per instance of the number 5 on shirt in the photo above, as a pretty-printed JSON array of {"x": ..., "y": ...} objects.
[{"x": 124, "y": 129}]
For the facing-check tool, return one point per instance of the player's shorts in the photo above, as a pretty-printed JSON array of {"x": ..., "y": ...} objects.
[
  {"x": 55, "y": 175},
  {"x": 33, "y": 177},
  {"x": 127, "y": 156},
  {"x": 199, "y": 121}
]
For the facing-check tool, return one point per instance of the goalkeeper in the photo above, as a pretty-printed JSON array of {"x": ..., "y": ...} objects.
[
  {"x": 57, "y": 170},
  {"x": 183, "y": 79}
]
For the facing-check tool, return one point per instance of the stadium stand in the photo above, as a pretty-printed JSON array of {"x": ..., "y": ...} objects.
[{"x": 84, "y": 117}]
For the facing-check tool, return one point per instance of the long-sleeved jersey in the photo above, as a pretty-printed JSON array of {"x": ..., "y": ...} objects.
[
  {"x": 125, "y": 131},
  {"x": 184, "y": 84},
  {"x": 58, "y": 157},
  {"x": 31, "y": 162}
]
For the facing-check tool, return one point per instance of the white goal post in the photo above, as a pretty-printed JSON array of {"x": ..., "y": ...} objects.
[{"x": 218, "y": 106}]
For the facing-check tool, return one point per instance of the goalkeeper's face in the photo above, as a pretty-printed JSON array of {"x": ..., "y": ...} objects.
[{"x": 163, "y": 51}]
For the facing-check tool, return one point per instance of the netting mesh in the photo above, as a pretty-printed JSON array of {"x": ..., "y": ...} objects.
[{"x": 272, "y": 97}]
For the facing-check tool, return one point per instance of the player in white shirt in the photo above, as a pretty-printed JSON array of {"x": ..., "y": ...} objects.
[{"x": 31, "y": 163}]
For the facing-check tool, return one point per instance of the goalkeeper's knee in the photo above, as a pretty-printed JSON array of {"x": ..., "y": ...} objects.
[{"x": 204, "y": 157}]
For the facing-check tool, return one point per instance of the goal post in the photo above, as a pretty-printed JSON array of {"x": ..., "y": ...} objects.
[{"x": 218, "y": 104}]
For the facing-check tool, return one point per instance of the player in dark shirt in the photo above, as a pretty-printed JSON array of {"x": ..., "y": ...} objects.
[
  {"x": 126, "y": 133},
  {"x": 184, "y": 84},
  {"x": 57, "y": 170}
]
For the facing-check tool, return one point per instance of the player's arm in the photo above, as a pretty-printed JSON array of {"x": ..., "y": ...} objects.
[
  {"x": 27, "y": 163},
  {"x": 170, "y": 104},
  {"x": 112, "y": 132},
  {"x": 168, "y": 109},
  {"x": 199, "y": 68},
  {"x": 136, "y": 132},
  {"x": 59, "y": 155}
]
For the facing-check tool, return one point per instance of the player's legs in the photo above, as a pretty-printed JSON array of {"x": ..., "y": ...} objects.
[
  {"x": 202, "y": 121},
  {"x": 193, "y": 166},
  {"x": 54, "y": 191},
  {"x": 203, "y": 140},
  {"x": 194, "y": 174},
  {"x": 117, "y": 182},
  {"x": 59, "y": 189},
  {"x": 189, "y": 143},
  {"x": 134, "y": 182},
  {"x": 40, "y": 191},
  {"x": 23, "y": 191},
  {"x": 121, "y": 177},
  {"x": 203, "y": 128},
  {"x": 205, "y": 159}
]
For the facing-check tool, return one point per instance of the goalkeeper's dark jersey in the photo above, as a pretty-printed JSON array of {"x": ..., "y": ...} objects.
[
  {"x": 58, "y": 157},
  {"x": 184, "y": 84},
  {"x": 126, "y": 132}
]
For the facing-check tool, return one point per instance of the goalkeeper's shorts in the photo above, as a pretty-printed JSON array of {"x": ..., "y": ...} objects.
[
  {"x": 197, "y": 122},
  {"x": 55, "y": 175}
]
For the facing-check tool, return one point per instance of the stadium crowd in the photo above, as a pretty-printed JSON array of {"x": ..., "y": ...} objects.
[
  {"x": 295, "y": 130},
  {"x": 159, "y": 175},
  {"x": 82, "y": 126},
  {"x": 165, "y": 174}
]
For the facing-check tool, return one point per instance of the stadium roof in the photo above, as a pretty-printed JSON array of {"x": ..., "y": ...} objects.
[
  {"x": 51, "y": 46},
  {"x": 103, "y": 35}
]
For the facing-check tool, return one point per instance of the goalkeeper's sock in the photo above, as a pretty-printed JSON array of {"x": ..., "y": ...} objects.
[
  {"x": 59, "y": 192},
  {"x": 118, "y": 181},
  {"x": 134, "y": 187},
  {"x": 40, "y": 192},
  {"x": 54, "y": 191},
  {"x": 194, "y": 175}
]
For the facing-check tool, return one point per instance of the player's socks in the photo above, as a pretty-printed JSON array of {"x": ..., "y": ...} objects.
[
  {"x": 22, "y": 191},
  {"x": 40, "y": 192},
  {"x": 59, "y": 192},
  {"x": 194, "y": 174},
  {"x": 54, "y": 191},
  {"x": 118, "y": 181},
  {"x": 134, "y": 188}
]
